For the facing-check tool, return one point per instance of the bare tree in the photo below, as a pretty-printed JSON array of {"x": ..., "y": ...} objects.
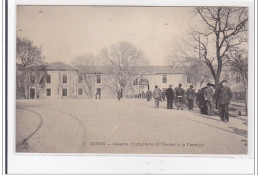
[
  {"x": 196, "y": 72},
  {"x": 223, "y": 29},
  {"x": 27, "y": 53},
  {"x": 28, "y": 56},
  {"x": 124, "y": 62},
  {"x": 238, "y": 60},
  {"x": 85, "y": 65}
]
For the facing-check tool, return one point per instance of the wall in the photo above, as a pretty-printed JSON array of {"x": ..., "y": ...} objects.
[
  {"x": 157, "y": 79},
  {"x": 56, "y": 85},
  {"x": 73, "y": 85}
]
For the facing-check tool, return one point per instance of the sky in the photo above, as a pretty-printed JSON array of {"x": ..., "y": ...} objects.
[{"x": 66, "y": 31}]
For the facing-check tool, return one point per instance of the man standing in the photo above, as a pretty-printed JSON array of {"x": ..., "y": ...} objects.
[
  {"x": 119, "y": 95},
  {"x": 98, "y": 93},
  {"x": 180, "y": 97},
  {"x": 190, "y": 97},
  {"x": 224, "y": 97},
  {"x": 148, "y": 95},
  {"x": 157, "y": 96},
  {"x": 163, "y": 95},
  {"x": 208, "y": 96},
  {"x": 169, "y": 96}
]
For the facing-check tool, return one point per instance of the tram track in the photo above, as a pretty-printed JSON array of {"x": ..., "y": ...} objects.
[
  {"x": 83, "y": 142},
  {"x": 25, "y": 140}
]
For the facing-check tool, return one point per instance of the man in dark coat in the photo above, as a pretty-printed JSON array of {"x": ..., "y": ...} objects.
[
  {"x": 119, "y": 95},
  {"x": 224, "y": 97},
  {"x": 180, "y": 96},
  {"x": 208, "y": 95},
  {"x": 169, "y": 96},
  {"x": 190, "y": 97},
  {"x": 148, "y": 95},
  {"x": 201, "y": 101}
]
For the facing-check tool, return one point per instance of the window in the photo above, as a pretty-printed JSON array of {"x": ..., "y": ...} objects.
[
  {"x": 64, "y": 92},
  {"x": 64, "y": 79},
  {"x": 48, "y": 92},
  {"x": 98, "y": 78},
  {"x": 238, "y": 79},
  {"x": 48, "y": 79},
  {"x": 80, "y": 91},
  {"x": 188, "y": 79},
  {"x": 80, "y": 79},
  {"x": 164, "y": 78}
]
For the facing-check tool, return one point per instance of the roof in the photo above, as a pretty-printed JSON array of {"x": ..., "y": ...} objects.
[
  {"x": 104, "y": 69},
  {"x": 144, "y": 82},
  {"x": 163, "y": 70},
  {"x": 146, "y": 69},
  {"x": 60, "y": 66}
]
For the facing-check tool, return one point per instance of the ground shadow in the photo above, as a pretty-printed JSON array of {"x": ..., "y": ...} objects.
[
  {"x": 236, "y": 131},
  {"x": 217, "y": 118},
  {"x": 239, "y": 131},
  {"x": 244, "y": 141}
]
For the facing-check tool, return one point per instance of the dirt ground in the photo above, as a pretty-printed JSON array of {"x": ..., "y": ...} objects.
[{"x": 126, "y": 126}]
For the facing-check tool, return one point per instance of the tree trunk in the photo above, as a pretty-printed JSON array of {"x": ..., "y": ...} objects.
[
  {"x": 246, "y": 92},
  {"x": 27, "y": 92},
  {"x": 217, "y": 80}
]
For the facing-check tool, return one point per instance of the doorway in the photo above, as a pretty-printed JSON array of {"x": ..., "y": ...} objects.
[{"x": 32, "y": 93}]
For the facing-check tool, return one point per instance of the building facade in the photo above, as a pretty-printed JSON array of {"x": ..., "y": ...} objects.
[{"x": 63, "y": 81}]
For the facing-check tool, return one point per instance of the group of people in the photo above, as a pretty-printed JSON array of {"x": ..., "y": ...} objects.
[
  {"x": 207, "y": 98},
  {"x": 177, "y": 95},
  {"x": 170, "y": 94}
]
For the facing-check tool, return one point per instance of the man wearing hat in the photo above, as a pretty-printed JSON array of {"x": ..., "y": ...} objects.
[
  {"x": 224, "y": 97},
  {"x": 180, "y": 97},
  {"x": 208, "y": 95},
  {"x": 190, "y": 97},
  {"x": 169, "y": 96}
]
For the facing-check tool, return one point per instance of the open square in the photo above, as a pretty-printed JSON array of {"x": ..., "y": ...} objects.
[{"x": 126, "y": 126}]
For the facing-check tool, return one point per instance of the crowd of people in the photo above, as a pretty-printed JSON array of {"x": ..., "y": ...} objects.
[{"x": 207, "y": 99}]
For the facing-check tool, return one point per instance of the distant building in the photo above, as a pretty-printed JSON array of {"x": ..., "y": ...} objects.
[
  {"x": 162, "y": 76},
  {"x": 63, "y": 81},
  {"x": 60, "y": 82}
]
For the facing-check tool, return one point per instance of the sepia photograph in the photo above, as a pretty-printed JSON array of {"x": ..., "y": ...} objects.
[{"x": 132, "y": 79}]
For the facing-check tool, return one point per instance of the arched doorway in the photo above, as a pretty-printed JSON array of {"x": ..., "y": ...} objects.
[{"x": 143, "y": 87}]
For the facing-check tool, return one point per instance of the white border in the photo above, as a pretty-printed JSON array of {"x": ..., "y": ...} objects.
[{"x": 77, "y": 164}]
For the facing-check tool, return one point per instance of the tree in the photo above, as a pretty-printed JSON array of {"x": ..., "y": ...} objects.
[
  {"x": 27, "y": 53},
  {"x": 28, "y": 57},
  {"x": 223, "y": 29},
  {"x": 124, "y": 62},
  {"x": 238, "y": 61},
  {"x": 196, "y": 72},
  {"x": 85, "y": 65}
]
